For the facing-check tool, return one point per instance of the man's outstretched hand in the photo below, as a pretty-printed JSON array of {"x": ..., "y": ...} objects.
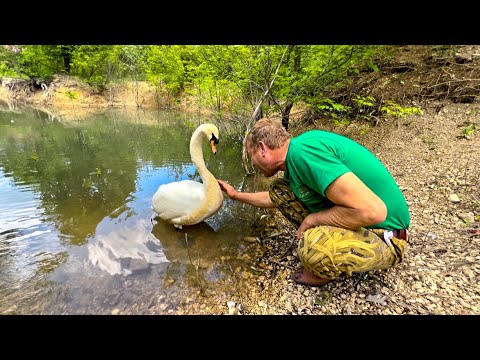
[{"x": 227, "y": 188}]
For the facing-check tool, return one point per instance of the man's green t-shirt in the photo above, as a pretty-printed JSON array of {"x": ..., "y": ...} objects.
[{"x": 316, "y": 158}]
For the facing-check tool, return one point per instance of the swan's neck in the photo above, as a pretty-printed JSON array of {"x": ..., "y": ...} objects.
[{"x": 196, "y": 153}]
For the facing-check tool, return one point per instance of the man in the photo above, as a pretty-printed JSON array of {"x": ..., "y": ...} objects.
[{"x": 349, "y": 212}]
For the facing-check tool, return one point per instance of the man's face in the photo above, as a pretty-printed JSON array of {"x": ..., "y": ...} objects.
[{"x": 262, "y": 160}]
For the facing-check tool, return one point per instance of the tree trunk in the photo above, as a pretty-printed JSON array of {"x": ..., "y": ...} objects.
[
  {"x": 289, "y": 103},
  {"x": 286, "y": 114},
  {"x": 67, "y": 56}
]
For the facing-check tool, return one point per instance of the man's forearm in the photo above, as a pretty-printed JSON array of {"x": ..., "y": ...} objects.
[
  {"x": 338, "y": 216},
  {"x": 258, "y": 199},
  {"x": 341, "y": 217}
]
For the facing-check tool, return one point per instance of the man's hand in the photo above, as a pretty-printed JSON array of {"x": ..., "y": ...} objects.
[
  {"x": 259, "y": 199},
  {"x": 227, "y": 189},
  {"x": 307, "y": 223}
]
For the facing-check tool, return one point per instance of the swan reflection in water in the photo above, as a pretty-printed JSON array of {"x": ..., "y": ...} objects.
[
  {"x": 198, "y": 254},
  {"x": 127, "y": 249},
  {"x": 132, "y": 248},
  {"x": 197, "y": 244}
]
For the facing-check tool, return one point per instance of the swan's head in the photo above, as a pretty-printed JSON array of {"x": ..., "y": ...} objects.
[{"x": 211, "y": 132}]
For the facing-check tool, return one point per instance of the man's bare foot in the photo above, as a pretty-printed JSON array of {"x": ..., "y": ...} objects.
[{"x": 306, "y": 277}]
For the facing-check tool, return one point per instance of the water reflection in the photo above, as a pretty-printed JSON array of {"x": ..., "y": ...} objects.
[
  {"x": 29, "y": 246},
  {"x": 126, "y": 249},
  {"x": 197, "y": 244},
  {"x": 76, "y": 217}
]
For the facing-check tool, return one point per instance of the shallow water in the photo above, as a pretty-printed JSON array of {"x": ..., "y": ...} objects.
[{"x": 77, "y": 232}]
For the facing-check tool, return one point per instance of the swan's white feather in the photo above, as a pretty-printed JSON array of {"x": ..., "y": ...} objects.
[{"x": 177, "y": 199}]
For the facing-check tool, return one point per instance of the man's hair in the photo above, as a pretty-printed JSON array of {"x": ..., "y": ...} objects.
[{"x": 270, "y": 131}]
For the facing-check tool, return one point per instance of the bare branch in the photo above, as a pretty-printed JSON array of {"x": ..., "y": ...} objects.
[{"x": 255, "y": 114}]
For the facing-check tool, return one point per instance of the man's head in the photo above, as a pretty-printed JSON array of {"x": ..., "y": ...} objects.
[
  {"x": 270, "y": 132},
  {"x": 264, "y": 142}
]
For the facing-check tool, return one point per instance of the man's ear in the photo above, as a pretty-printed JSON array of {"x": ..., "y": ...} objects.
[{"x": 262, "y": 146}]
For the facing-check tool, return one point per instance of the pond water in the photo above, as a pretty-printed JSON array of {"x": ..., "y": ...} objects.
[{"x": 77, "y": 232}]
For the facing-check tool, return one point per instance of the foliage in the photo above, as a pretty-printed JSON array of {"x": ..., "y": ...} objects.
[
  {"x": 330, "y": 107},
  {"x": 8, "y": 63},
  {"x": 469, "y": 129},
  {"x": 72, "y": 95},
  {"x": 396, "y": 110},
  {"x": 362, "y": 107},
  {"x": 165, "y": 68},
  {"x": 363, "y": 104},
  {"x": 93, "y": 63},
  {"x": 45, "y": 60},
  {"x": 220, "y": 77},
  {"x": 326, "y": 68}
]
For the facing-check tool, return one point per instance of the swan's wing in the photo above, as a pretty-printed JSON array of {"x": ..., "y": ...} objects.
[{"x": 177, "y": 199}]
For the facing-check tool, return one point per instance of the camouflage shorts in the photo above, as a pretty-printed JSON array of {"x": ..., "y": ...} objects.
[{"x": 330, "y": 251}]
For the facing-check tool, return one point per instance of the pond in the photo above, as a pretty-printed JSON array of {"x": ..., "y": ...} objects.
[{"x": 77, "y": 231}]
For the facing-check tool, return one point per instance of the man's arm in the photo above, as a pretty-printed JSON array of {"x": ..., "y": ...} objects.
[
  {"x": 355, "y": 206},
  {"x": 258, "y": 199}
]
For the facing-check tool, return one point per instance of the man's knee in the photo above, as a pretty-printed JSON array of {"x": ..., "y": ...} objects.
[{"x": 329, "y": 251}]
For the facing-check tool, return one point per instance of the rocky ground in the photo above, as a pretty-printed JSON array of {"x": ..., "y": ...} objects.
[{"x": 435, "y": 158}]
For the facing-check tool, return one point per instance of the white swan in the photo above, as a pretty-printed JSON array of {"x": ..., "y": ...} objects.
[{"x": 189, "y": 202}]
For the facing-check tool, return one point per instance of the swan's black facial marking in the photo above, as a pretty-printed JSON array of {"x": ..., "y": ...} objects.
[
  {"x": 214, "y": 139},
  {"x": 213, "y": 143}
]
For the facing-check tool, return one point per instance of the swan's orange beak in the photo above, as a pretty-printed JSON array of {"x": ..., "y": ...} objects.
[{"x": 214, "y": 147}]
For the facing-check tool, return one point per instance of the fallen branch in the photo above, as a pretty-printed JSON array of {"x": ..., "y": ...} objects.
[{"x": 449, "y": 82}]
